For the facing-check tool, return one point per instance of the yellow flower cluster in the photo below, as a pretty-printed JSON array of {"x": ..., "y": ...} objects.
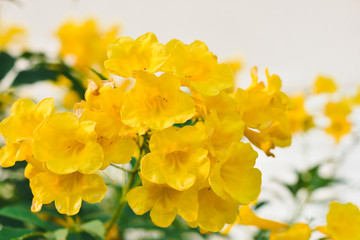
[
  {"x": 202, "y": 171},
  {"x": 85, "y": 42},
  {"x": 187, "y": 122},
  {"x": 336, "y": 110},
  {"x": 62, "y": 154}
]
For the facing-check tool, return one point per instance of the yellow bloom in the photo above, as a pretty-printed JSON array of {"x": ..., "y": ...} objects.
[
  {"x": 299, "y": 119},
  {"x": 13, "y": 152},
  {"x": 338, "y": 128},
  {"x": 70, "y": 98},
  {"x": 338, "y": 112},
  {"x": 324, "y": 85},
  {"x": 67, "y": 145},
  {"x": 10, "y": 35},
  {"x": 18, "y": 129},
  {"x": 343, "y": 221},
  {"x": 103, "y": 104},
  {"x": 277, "y": 134},
  {"x": 299, "y": 231},
  {"x": 177, "y": 158},
  {"x": 156, "y": 102},
  {"x": 223, "y": 132},
  {"x": 164, "y": 203},
  {"x": 85, "y": 42},
  {"x": 234, "y": 174},
  {"x": 338, "y": 109},
  {"x": 67, "y": 190},
  {"x": 263, "y": 110},
  {"x": 248, "y": 217},
  {"x": 198, "y": 67},
  {"x": 214, "y": 212},
  {"x": 126, "y": 55},
  {"x": 25, "y": 117}
]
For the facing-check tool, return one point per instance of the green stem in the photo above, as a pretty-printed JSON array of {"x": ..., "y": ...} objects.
[
  {"x": 123, "y": 201},
  {"x": 35, "y": 234}
]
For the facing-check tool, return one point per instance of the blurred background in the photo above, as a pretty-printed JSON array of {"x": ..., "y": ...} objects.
[{"x": 297, "y": 40}]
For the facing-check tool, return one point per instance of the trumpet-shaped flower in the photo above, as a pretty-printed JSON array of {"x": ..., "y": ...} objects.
[
  {"x": 338, "y": 128},
  {"x": 299, "y": 119},
  {"x": 68, "y": 145},
  {"x": 178, "y": 158},
  {"x": 25, "y": 118},
  {"x": 198, "y": 67},
  {"x": 299, "y": 231},
  {"x": 163, "y": 202},
  {"x": 214, "y": 211},
  {"x": 85, "y": 42},
  {"x": 234, "y": 174},
  {"x": 126, "y": 55},
  {"x": 324, "y": 85},
  {"x": 343, "y": 221},
  {"x": 222, "y": 133},
  {"x": 249, "y": 218},
  {"x": 156, "y": 102},
  {"x": 18, "y": 129},
  {"x": 67, "y": 190}
]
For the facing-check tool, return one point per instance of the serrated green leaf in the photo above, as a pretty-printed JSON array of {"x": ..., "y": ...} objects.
[
  {"x": 7, "y": 63},
  {"x": 7, "y": 233},
  {"x": 60, "y": 234},
  {"x": 95, "y": 228},
  {"x": 24, "y": 215}
]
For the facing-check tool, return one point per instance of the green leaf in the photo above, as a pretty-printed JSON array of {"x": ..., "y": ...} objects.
[
  {"x": 95, "y": 228},
  {"x": 60, "y": 234},
  {"x": 102, "y": 77},
  {"x": 24, "y": 215},
  {"x": 38, "y": 73},
  {"x": 7, "y": 63},
  {"x": 7, "y": 233}
]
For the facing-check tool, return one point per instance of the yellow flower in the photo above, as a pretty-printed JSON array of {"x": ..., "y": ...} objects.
[
  {"x": 164, "y": 203},
  {"x": 198, "y": 67},
  {"x": 10, "y": 35},
  {"x": 85, "y": 42},
  {"x": 156, "y": 102},
  {"x": 263, "y": 110},
  {"x": 248, "y": 217},
  {"x": 25, "y": 117},
  {"x": 103, "y": 104},
  {"x": 18, "y": 129},
  {"x": 223, "y": 132},
  {"x": 70, "y": 98},
  {"x": 126, "y": 55},
  {"x": 343, "y": 221},
  {"x": 338, "y": 128},
  {"x": 299, "y": 231},
  {"x": 338, "y": 109},
  {"x": 234, "y": 174},
  {"x": 13, "y": 152},
  {"x": 338, "y": 112},
  {"x": 277, "y": 134},
  {"x": 67, "y": 190},
  {"x": 299, "y": 119},
  {"x": 67, "y": 145},
  {"x": 214, "y": 212},
  {"x": 324, "y": 84},
  {"x": 177, "y": 158}
]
